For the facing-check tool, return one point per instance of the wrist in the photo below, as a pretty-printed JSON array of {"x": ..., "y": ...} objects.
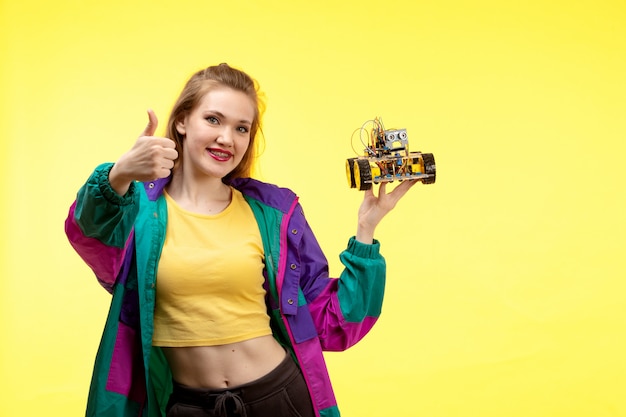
[
  {"x": 365, "y": 235},
  {"x": 118, "y": 182}
]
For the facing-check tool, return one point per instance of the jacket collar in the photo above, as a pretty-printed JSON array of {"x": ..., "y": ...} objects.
[
  {"x": 269, "y": 194},
  {"x": 154, "y": 189}
]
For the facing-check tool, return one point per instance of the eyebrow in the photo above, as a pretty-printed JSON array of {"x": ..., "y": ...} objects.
[{"x": 220, "y": 114}]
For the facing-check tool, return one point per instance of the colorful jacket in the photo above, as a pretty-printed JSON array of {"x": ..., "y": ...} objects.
[{"x": 121, "y": 237}]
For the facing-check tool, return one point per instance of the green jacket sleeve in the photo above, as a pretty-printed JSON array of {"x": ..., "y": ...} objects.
[{"x": 100, "y": 224}]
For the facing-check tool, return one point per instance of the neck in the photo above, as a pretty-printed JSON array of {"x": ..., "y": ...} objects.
[{"x": 207, "y": 196}]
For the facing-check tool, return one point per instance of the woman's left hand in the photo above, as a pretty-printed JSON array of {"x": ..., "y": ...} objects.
[{"x": 374, "y": 208}]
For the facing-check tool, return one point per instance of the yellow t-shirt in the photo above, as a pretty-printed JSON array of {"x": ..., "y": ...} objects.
[{"x": 209, "y": 288}]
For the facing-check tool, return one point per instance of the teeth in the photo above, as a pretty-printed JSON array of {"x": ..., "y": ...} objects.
[{"x": 221, "y": 154}]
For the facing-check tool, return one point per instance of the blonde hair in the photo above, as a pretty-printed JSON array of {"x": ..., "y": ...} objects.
[{"x": 200, "y": 83}]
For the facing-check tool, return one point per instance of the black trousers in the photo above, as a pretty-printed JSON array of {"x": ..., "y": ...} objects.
[{"x": 281, "y": 393}]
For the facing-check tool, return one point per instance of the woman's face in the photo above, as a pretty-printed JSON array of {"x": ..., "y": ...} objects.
[{"x": 217, "y": 132}]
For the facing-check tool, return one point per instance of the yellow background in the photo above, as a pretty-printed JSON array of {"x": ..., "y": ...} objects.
[{"x": 506, "y": 280}]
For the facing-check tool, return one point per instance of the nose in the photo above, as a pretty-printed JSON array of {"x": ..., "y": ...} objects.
[{"x": 225, "y": 137}]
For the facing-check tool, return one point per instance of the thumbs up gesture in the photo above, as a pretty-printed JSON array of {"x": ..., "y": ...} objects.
[{"x": 150, "y": 158}]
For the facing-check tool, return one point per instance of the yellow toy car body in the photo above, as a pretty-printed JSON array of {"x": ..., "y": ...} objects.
[{"x": 387, "y": 158}]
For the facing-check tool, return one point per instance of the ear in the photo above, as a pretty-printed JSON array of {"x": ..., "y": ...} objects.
[{"x": 180, "y": 127}]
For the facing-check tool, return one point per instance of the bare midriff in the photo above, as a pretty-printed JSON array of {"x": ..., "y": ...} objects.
[{"x": 224, "y": 366}]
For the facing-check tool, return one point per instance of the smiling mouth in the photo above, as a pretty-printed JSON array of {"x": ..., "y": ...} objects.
[{"x": 219, "y": 154}]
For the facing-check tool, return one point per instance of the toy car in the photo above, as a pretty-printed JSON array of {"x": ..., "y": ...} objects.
[{"x": 387, "y": 159}]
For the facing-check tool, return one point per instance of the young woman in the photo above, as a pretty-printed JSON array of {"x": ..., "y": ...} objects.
[{"x": 222, "y": 302}]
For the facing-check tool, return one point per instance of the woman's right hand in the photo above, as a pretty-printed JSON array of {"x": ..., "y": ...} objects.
[{"x": 150, "y": 158}]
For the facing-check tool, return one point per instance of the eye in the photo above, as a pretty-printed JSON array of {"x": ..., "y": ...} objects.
[
  {"x": 243, "y": 129},
  {"x": 212, "y": 119}
]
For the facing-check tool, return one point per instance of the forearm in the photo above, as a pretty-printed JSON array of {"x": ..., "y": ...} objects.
[{"x": 348, "y": 307}]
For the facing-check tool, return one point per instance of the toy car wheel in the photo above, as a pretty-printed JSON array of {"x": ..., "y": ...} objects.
[
  {"x": 350, "y": 172},
  {"x": 362, "y": 174},
  {"x": 429, "y": 168}
]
